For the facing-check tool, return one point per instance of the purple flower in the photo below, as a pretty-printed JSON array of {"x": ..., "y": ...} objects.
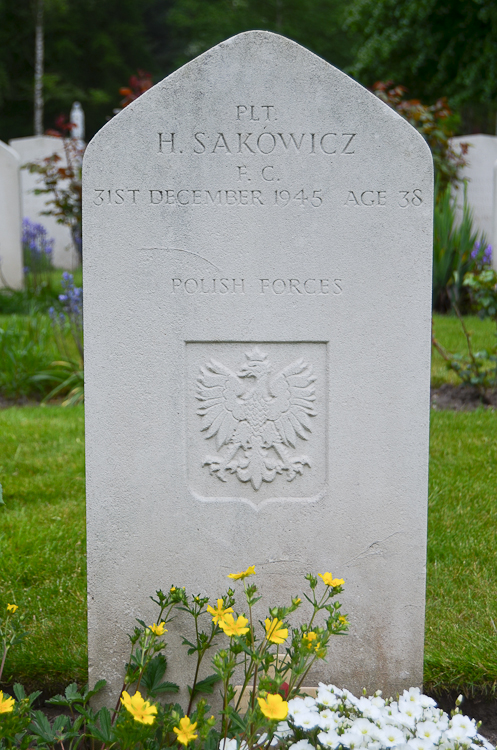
[
  {"x": 35, "y": 241},
  {"x": 482, "y": 256}
]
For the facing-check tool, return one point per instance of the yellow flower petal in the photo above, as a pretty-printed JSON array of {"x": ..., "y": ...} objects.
[
  {"x": 220, "y": 612},
  {"x": 159, "y": 629},
  {"x": 186, "y": 731},
  {"x": 273, "y": 707},
  {"x": 141, "y": 710},
  {"x": 328, "y": 580},
  {"x": 6, "y": 703},
  {"x": 234, "y": 627},
  {"x": 275, "y": 633},
  {"x": 12, "y": 607},
  {"x": 238, "y": 576}
]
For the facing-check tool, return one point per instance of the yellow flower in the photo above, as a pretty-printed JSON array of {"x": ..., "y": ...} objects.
[
  {"x": 158, "y": 629},
  {"x": 12, "y": 608},
  {"x": 309, "y": 637},
  {"x": 219, "y": 613},
  {"x": 173, "y": 588},
  {"x": 343, "y": 620},
  {"x": 6, "y": 704},
  {"x": 328, "y": 579},
  {"x": 186, "y": 731},
  {"x": 234, "y": 627},
  {"x": 274, "y": 630},
  {"x": 139, "y": 709},
  {"x": 274, "y": 707},
  {"x": 249, "y": 572}
]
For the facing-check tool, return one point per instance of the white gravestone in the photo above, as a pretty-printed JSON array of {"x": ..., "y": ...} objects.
[
  {"x": 37, "y": 148},
  {"x": 258, "y": 241},
  {"x": 494, "y": 225},
  {"x": 478, "y": 172},
  {"x": 11, "y": 264}
]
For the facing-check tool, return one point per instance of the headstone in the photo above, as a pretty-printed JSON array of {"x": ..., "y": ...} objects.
[
  {"x": 11, "y": 265},
  {"x": 494, "y": 226},
  {"x": 77, "y": 117},
  {"x": 478, "y": 172},
  {"x": 32, "y": 149},
  {"x": 258, "y": 245}
]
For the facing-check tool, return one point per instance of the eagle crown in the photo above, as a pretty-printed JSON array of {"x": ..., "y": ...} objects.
[{"x": 256, "y": 365}]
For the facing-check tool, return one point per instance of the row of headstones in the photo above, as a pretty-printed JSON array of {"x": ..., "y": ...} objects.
[
  {"x": 18, "y": 201},
  {"x": 480, "y": 175}
]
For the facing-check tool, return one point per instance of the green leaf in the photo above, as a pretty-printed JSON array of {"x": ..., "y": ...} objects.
[
  {"x": 41, "y": 727},
  {"x": 205, "y": 687},
  {"x": 104, "y": 732},
  {"x": 99, "y": 685},
  {"x": 152, "y": 678}
]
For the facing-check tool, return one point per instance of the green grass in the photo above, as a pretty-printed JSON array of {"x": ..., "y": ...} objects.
[
  {"x": 43, "y": 562},
  {"x": 448, "y": 330},
  {"x": 42, "y": 541},
  {"x": 461, "y": 617}
]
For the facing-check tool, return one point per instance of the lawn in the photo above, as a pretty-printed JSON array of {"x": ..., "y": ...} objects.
[{"x": 42, "y": 536}]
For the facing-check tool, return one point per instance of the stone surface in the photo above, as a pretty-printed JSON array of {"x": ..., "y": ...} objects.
[
  {"x": 32, "y": 149},
  {"x": 258, "y": 212},
  {"x": 11, "y": 265},
  {"x": 481, "y": 157},
  {"x": 494, "y": 224}
]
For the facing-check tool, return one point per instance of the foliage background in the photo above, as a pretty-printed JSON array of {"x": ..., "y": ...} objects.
[{"x": 434, "y": 47}]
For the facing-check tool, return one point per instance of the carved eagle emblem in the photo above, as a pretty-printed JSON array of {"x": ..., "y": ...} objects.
[{"x": 256, "y": 417}]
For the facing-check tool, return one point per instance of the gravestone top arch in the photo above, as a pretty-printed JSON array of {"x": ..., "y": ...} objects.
[{"x": 257, "y": 275}]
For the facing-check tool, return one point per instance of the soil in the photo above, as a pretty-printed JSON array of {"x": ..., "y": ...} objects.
[{"x": 462, "y": 398}]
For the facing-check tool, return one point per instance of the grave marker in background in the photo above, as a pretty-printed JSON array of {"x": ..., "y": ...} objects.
[
  {"x": 478, "y": 172},
  {"x": 11, "y": 264},
  {"x": 258, "y": 244},
  {"x": 37, "y": 148}
]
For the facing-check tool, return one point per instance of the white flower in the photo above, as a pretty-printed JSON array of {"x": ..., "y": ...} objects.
[
  {"x": 301, "y": 745},
  {"x": 403, "y": 720},
  {"x": 330, "y": 739},
  {"x": 366, "y": 728},
  {"x": 310, "y": 703},
  {"x": 326, "y": 697},
  {"x": 329, "y": 719},
  {"x": 377, "y": 700},
  {"x": 428, "y": 730},
  {"x": 410, "y": 708},
  {"x": 352, "y": 739},
  {"x": 486, "y": 744},
  {"x": 418, "y": 743},
  {"x": 350, "y": 697},
  {"x": 282, "y": 730},
  {"x": 307, "y": 720},
  {"x": 296, "y": 706},
  {"x": 232, "y": 744},
  {"x": 459, "y": 734},
  {"x": 464, "y": 722},
  {"x": 391, "y": 736},
  {"x": 367, "y": 708}
]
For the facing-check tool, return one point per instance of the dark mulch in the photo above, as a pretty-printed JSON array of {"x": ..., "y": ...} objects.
[{"x": 462, "y": 398}]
